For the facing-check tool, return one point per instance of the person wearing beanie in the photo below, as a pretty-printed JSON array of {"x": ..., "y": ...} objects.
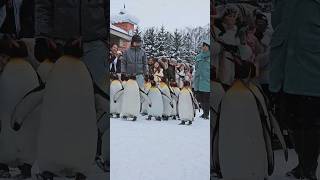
[
  {"x": 202, "y": 78},
  {"x": 135, "y": 60}
]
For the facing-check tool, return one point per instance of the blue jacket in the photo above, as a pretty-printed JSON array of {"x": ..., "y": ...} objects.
[
  {"x": 202, "y": 72},
  {"x": 295, "y": 47}
]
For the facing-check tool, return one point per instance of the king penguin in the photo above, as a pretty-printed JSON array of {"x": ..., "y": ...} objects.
[
  {"x": 246, "y": 152},
  {"x": 187, "y": 104},
  {"x": 68, "y": 113},
  {"x": 156, "y": 110},
  {"x": 131, "y": 99},
  {"x": 115, "y": 87},
  {"x": 17, "y": 79}
]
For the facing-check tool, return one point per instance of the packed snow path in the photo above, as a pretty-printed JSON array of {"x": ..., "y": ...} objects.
[
  {"x": 153, "y": 150},
  {"x": 282, "y": 167}
]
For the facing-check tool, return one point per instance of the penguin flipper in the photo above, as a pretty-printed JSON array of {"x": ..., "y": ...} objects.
[
  {"x": 27, "y": 104},
  {"x": 279, "y": 135},
  {"x": 101, "y": 105},
  {"x": 103, "y": 123},
  {"x": 118, "y": 95},
  {"x": 145, "y": 97},
  {"x": 215, "y": 143}
]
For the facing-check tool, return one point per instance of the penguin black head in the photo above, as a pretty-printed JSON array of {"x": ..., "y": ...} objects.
[
  {"x": 146, "y": 78},
  {"x": 73, "y": 49},
  {"x": 132, "y": 76},
  {"x": 245, "y": 70},
  {"x": 173, "y": 84},
  {"x": 163, "y": 79},
  {"x": 124, "y": 77},
  {"x": 150, "y": 77},
  {"x": 113, "y": 76},
  {"x": 11, "y": 50},
  {"x": 186, "y": 84},
  {"x": 42, "y": 51},
  {"x": 153, "y": 83}
]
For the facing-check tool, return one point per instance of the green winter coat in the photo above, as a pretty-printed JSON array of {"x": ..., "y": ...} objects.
[
  {"x": 295, "y": 47},
  {"x": 202, "y": 72}
]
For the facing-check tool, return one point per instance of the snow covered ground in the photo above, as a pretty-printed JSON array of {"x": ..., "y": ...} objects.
[
  {"x": 281, "y": 167},
  {"x": 95, "y": 174},
  {"x": 152, "y": 150}
]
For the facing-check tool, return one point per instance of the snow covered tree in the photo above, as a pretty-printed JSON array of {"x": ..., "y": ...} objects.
[
  {"x": 161, "y": 44},
  {"x": 188, "y": 49},
  {"x": 149, "y": 38},
  {"x": 177, "y": 44},
  {"x": 137, "y": 31}
]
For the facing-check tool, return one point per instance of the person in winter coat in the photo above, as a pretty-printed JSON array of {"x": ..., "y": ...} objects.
[
  {"x": 157, "y": 72},
  {"x": 17, "y": 23},
  {"x": 135, "y": 60},
  {"x": 180, "y": 75},
  {"x": 202, "y": 78},
  {"x": 165, "y": 66},
  {"x": 294, "y": 78},
  {"x": 84, "y": 22},
  {"x": 84, "y": 25},
  {"x": 115, "y": 59},
  {"x": 225, "y": 31},
  {"x": 172, "y": 70}
]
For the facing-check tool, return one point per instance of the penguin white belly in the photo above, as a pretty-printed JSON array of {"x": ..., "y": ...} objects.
[
  {"x": 68, "y": 113},
  {"x": 175, "y": 102},
  {"x": 242, "y": 153},
  {"x": 144, "y": 107},
  {"x": 156, "y": 108},
  {"x": 105, "y": 149},
  {"x": 17, "y": 79},
  {"x": 115, "y": 106},
  {"x": 174, "y": 108},
  {"x": 130, "y": 99},
  {"x": 166, "y": 103},
  {"x": 44, "y": 69},
  {"x": 185, "y": 106},
  {"x": 216, "y": 95}
]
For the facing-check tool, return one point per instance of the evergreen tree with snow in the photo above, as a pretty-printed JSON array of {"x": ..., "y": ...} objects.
[
  {"x": 177, "y": 44},
  {"x": 149, "y": 39},
  {"x": 160, "y": 43},
  {"x": 137, "y": 31},
  {"x": 188, "y": 49}
]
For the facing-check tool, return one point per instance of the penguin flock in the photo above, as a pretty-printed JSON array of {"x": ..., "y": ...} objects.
[
  {"x": 43, "y": 113},
  {"x": 160, "y": 101}
]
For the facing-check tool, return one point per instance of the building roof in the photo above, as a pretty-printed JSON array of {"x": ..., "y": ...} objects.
[
  {"x": 124, "y": 16},
  {"x": 120, "y": 32}
]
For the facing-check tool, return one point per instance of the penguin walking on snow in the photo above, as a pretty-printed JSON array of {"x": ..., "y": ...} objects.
[
  {"x": 167, "y": 100},
  {"x": 187, "y": 104},
  {"x": 156, "y": 110},
  {"x": 146, "y": 88},
  {"x": 131, "y": 98},
  {"x": 68, "y": 112},
  {"x": 16, "y": 80},
  {"x": 250, "y": 140},
  {"x": 174, "y": 94},
  {"x": 115, "y": 87}
]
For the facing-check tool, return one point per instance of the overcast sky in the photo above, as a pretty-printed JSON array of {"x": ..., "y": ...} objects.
[{"x": 170, "y": 13}]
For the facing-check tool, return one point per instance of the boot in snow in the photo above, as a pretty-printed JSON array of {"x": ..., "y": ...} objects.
[{"x": 182, "y": 123}]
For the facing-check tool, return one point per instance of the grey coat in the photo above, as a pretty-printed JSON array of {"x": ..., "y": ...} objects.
[
  {"x": 66, "y": 19},
  {"x": 134, "y": 61}
]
